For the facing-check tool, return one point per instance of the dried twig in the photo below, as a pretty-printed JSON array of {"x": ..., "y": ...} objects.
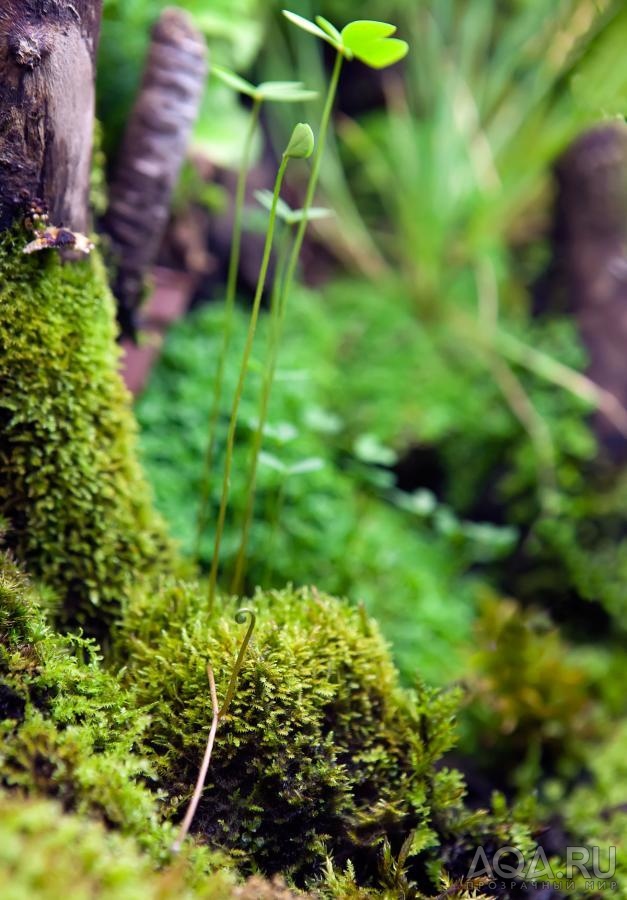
[
  {"x": 200, "y": 783},
  {"x": 218, "y": 715}
]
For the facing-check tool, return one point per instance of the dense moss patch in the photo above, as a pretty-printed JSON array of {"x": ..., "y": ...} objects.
[
  {"x": 46, "y": 854},
  {"x": 78, "y": 508},
  {"x": 321, "y": 752},
  {"x": 68, "y": 730}
]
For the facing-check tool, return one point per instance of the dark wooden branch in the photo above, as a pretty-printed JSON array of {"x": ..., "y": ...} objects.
[
  {"x": 47, "y": 65},
  {"x": 591, "y": 249},
  {"x": 152, "y": 152}
]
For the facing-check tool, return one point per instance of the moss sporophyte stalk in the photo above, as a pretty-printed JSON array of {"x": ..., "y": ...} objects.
[
  {"x": 372, "y": 43},
  {"x": 277, "y": 92},
  {"x": 300, "y": 146}
]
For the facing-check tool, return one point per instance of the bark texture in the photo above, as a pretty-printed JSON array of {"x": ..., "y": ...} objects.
[
  {"x": 591, "y": 247},
  {"x": 47, "y": 68},
  {"x": 152, "y": 152}
]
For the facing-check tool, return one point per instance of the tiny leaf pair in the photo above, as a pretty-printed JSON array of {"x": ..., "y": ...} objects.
[
  {"x": 274, "y": 91},
  {"x": 287, "y": 214},
  {"x": 368, "y": 41}
]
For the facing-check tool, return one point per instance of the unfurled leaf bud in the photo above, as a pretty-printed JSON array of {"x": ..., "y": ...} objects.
[{"x": 301, "y": 144}]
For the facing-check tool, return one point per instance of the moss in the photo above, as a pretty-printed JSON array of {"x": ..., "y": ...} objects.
[
  {"x": 531, "y": 701},
  {"x": 595, "y": 815},
  {"x": 69, "y": 729},
  {"x": 78, "y": 509},
  {"x": 321, "y": 753},
  {"x": 44, "y": 854}
]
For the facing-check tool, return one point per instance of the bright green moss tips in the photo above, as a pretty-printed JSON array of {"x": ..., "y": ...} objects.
[
  {"x": 321, "y": 751},
  {"x": 46, "y": 854},
  {"x": 79, "y": 511},
  {"x": 67, "y": 728}
]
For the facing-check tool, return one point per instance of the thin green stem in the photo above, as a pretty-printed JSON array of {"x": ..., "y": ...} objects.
[
  {"x": 276, "y": 322},
  {"x": 230, "y": 441},
  {"x": 240, "y": 618},
  {"x": 229, "y": 306},
  {"x": 287, "y": 281},
  {"x": 313, "y": 178}
]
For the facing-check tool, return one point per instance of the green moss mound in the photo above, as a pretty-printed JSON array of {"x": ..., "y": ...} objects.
[
  {"x": 321, "y": 752},
  {"x": 78, "y": 508}
]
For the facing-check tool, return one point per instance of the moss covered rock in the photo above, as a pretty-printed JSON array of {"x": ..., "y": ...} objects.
[
  {"x": 321, "y": 752},
  {"x": 78, "y": 508}
]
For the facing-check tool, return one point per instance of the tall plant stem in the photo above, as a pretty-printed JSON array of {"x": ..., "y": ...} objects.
[
  {"x": 230, "y": 441},
  {"x": 313, "y": 178},
  {"x": 286, "y": 284},
  {"x": 276, "y": 323},
  {"x": 231, "y": 287}
]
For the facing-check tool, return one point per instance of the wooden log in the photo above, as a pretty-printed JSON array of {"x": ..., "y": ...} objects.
[
  {"x": 47, "y": 71},
  {"x": 152, "y": 153}
]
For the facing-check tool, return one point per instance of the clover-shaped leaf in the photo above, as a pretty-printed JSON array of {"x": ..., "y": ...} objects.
[
  {"x": 366, "y": 40},
  {"x": 372, "y": 44},
  {"x": 275, "y": 91}
]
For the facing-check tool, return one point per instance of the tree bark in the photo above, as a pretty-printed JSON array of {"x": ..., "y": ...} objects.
[
  {"x": 152, "y": 153},
  {"x": 591, "y": 249},
  {"x": 47, "y": 69}
]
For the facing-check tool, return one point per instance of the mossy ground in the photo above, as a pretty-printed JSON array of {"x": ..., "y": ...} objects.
[
  {"x": 78, "y": 508},
  {"x": 325, "y": 770}
]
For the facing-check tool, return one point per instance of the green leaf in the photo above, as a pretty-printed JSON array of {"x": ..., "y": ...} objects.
[
  {"x": 305, "y": 466},
  {"x": 381, "y": 54},
  {"x": 330, "y": 29},
  {"x": 371, "y": 43},
  {"x": 314, "y": 214},
  {"x": 363, "y": 31},
  {"x": 234, "y": 81},
  {"x": 318, "y": 212},
  {"x": 305, "y": 24},
  {"x": 265, "y": 199},
  {"x": 302, "y": 142},
  {"x": 285, "y": 91},
  {"x": 369, "y": 449},
  {"x": 271, "y": 462}
]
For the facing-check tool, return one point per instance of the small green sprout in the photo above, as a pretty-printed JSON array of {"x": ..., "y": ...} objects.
[
  {"x": 368, "y": 41},
  {"x": 372, "y": 43},
  {"x": 268, "y": 91},
  {"x": 301, "y": 144}
]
